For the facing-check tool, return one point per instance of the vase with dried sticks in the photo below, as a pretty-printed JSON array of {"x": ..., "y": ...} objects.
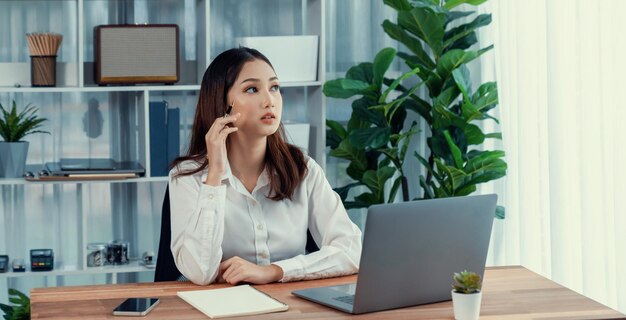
[{"x": 43, "y": 49}]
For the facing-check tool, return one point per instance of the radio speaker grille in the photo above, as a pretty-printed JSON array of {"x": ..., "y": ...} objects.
[{"x": 136, "y": 54}]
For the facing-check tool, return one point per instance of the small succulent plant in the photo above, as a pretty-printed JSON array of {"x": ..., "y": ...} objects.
[
  {"x": 14, "y": 126},
  {"x": 466, "y": 282}
]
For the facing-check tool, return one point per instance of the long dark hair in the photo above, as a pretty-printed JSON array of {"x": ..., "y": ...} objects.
[{"x": 285, "y": 163}]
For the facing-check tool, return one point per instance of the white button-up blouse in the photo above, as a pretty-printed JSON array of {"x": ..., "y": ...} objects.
[{"x": 211, "y": 224}]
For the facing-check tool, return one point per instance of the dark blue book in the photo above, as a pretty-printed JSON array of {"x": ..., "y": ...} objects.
[
  {"x": 158, "y": 139},
  {"x": 173, "y": 134}
]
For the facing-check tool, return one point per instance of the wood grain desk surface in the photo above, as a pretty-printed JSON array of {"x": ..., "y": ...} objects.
[{"x": 508, "y": 293}]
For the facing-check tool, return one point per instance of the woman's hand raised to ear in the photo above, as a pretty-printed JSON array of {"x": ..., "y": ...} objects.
[{"x": 215, "y": 140}]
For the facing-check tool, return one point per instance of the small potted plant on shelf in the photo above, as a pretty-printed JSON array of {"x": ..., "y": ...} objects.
[
  {"x": 13, "y": 127},
  {"x": 466, "y": 295}
]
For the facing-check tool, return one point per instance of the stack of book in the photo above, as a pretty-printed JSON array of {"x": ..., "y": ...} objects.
[{"x": 91, "y": 169}]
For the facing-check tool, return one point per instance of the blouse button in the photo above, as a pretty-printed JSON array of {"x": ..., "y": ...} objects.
[
  {"x": 259, "y": 226},
  {"x": 263, "y": 255},
  {"x": 210, "y": 197}
]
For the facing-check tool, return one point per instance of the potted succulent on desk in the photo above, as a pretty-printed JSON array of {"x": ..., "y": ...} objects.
[
  {"x": 13, "y": 127},
  {"x": 466, "y": 295}
]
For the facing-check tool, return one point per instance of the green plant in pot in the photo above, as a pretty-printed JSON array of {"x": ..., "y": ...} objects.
[
  {"x": 466, "y": 295},
  {"x": 439, "y": 49},
  {"x": 14, "y": 127},
  {"x": 19, "y": 308}
]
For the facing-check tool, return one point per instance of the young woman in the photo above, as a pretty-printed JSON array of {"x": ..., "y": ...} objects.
[{"x": 242, "y": 199}]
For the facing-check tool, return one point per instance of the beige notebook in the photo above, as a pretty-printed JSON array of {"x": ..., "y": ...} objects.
[{"x": 233, "y": 301}]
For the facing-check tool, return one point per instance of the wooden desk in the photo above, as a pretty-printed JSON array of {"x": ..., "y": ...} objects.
[{"x": 508, "y": 293}]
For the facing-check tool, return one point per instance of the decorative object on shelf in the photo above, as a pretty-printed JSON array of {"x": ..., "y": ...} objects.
[
  {"x": 439, "y": 53},
  {"x": 19, "y": 265},
  {"x": 19, "y": 309},
  {"x": 13, "y": 127},
  {"x": 148, "y": 259},
  {"x": 97, "y": 256},
  {"x": 466, "y": 295},
  {"x": 294, "y": 58},
  {"x": 41, "y": 259},
  {"x": 4, "y": 263},
  {"x": 117, "y": 252},
  {"x": 93, "y": 119},
  {"x": 130, "y": 54},
  {"x": 43, "y": 49}
]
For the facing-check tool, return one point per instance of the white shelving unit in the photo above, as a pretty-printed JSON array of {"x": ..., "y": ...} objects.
[
  {"x": 66, "y": 216},
  {"x": 68, "y": 270},
  {"x": 20, "y": 181}
]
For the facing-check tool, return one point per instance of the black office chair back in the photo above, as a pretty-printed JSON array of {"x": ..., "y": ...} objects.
[{"x": 166, "y": 269}]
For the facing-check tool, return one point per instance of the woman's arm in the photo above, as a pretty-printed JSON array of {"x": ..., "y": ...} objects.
[
  {"x": 331, "y": 228},
  {"x": 197, "y": 209},
  {"x": 197, "y": 218}
]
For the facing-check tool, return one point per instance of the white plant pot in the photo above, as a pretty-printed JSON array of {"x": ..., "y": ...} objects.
[
  {"x": 466, "y": 306},
  {"x": 13, "y": 159}
]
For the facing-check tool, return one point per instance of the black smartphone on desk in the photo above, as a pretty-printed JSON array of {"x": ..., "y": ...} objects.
[{"x": 136, "y": 307}]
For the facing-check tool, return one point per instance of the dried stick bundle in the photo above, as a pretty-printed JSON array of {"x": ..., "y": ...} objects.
[
  {"x": 44, "y": 44},
  {"x": 43, "y": 49}
]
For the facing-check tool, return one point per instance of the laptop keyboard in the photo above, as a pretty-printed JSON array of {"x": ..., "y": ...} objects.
[{"x": 346, "y": 299}]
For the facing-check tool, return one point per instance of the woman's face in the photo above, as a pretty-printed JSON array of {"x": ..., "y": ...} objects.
[{"x": 256, "y": 95}]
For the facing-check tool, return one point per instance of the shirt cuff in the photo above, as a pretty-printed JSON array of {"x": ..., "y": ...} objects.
[
  {"x": 211, "y": 196},
  {"x": 292, "y": 269}
]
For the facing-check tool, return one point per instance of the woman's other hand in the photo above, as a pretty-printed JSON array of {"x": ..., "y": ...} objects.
[
  {"x": 236, "y": 269},
  {"x": 215, "y": 140}
]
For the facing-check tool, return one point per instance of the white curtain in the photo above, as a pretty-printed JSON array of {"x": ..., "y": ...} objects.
[{"x": 560, "y": 71}]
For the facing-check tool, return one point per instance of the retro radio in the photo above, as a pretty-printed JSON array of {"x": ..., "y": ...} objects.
[{"x": 129, "y": 54}]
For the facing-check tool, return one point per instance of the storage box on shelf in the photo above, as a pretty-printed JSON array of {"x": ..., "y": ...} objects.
[
  {"x": 66, "y": 216},
  {"x": 294, "y": 57}
]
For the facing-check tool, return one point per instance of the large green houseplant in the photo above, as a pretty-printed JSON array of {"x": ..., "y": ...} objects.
[
  {"x": 14, "y": 127},
  {"x": 439, "y": 50}
]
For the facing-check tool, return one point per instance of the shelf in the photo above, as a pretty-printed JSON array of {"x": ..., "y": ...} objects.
[
  {"x": 20, "y": 181},
  {"x": 70, "y": 213},
  {"x": 300, "y": 84},
  {"x": 133, "y": 266},
  {"x": 153, "y": 88},
  {"x": 101, "y": 89}
]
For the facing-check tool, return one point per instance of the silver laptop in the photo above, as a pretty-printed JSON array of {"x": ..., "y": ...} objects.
[{"x": 411, "y": 250}]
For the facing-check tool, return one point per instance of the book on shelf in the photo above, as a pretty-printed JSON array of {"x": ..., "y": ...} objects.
[
  {"x": 164, "y": 137},
  {"x": 242, "y": 300},
  {"x": 173, "y": 135},
  {"x": 158, "y": 138}
]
